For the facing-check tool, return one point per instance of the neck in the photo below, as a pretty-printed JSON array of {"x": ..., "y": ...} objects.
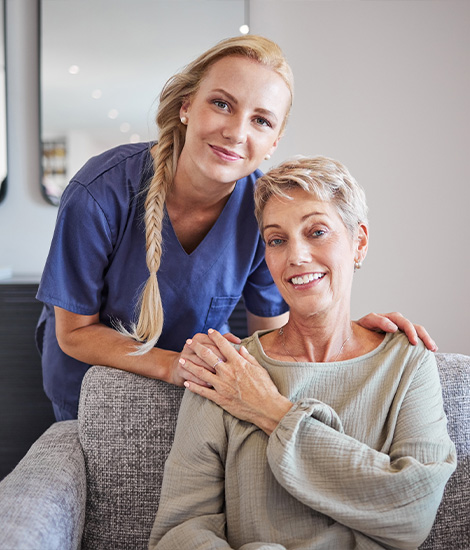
[
  {"x": 188, "y": 192},
  {"x": 193, "y": 212},
  {"x": 317, "y": 344}
]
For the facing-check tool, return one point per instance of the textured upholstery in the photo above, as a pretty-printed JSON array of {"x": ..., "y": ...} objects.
[
  {"x": 125, "y": 427},
  {"x": 42, "y": 502},
  {"x": 451, "y": 529}
]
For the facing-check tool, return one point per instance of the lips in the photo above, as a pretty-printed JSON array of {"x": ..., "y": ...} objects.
[
  {"x": 225, "y": 154},
  {"x": 307, "y": 278}
]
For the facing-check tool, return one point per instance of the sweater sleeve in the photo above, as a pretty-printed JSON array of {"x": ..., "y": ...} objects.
[
  {"x": 191, "y": 509},
  {"x": 390, "y": 495},
  {"x": 191, "y": 512}
]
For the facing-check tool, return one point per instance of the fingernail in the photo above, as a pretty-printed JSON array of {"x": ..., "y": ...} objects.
[
  {"x": 181, "y": 361},
  {"x": 189, "y": 341},
  {"x": 186, "y": 384},
  {"x": 210, "y": 331}
]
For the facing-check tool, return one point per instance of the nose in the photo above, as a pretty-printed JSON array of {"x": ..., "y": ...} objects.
[
  {"x": 299, "y": 252},
  {"x": 235, "y": 129}
]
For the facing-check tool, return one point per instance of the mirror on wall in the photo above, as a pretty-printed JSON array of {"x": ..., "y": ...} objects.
[
  {"x": 103, "y": 64},
  {"x": 3, "y": 124}
]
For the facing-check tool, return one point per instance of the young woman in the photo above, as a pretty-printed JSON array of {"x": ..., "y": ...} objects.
[{"x": 160, "y": 240}]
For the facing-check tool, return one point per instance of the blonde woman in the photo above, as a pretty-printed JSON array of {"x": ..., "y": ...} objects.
[
  {"x": 320, "y": 434},
  {"x": 159, "y": 240}
]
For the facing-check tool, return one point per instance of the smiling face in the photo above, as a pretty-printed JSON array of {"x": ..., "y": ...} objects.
[
  {"x": 310, "y": 254},
  {"x": 234, "y": 121}
]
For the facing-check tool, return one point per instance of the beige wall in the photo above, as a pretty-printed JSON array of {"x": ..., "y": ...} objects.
[{"x": 384, "y": 86}]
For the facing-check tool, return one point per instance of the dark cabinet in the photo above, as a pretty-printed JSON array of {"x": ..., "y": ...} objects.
[{"x": 25, "y": 411}]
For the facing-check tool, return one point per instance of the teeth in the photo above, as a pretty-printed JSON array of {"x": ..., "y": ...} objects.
[{"x": 304, "y": 279}]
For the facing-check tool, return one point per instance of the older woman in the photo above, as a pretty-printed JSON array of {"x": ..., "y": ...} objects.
[{"x": 322, "y": 434}]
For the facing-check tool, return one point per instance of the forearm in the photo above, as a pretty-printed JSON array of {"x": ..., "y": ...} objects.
[
  {"x": 98, "y": 344},
  {"x": 392, "y": 501}
]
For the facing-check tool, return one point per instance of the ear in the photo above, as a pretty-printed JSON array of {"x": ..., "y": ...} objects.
[
  {"x": 184, "y": 109},
  {"x": 274, "y": 145},
  {"x": 362, "y": 242}
]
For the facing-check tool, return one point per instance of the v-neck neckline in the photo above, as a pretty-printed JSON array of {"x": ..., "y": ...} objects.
[{"x": 208, "y": 236}]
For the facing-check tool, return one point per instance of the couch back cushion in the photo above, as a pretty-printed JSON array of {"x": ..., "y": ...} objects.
[{"x": 126, "y": 427}]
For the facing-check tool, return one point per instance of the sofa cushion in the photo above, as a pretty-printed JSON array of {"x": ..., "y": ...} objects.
[{"x": 126, "y": 427}]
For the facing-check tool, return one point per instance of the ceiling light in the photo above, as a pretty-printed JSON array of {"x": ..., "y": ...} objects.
[
  {"x": 125, "y": 127},
  {"x": 244, "y": 29},
  {"x": 114, "y": 113},
  {"x": 74, "y": 69},
  {"x": 96, "y": 94}
]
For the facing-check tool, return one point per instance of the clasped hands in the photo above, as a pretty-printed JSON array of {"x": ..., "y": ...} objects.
[{"x": 233, "y": 379}]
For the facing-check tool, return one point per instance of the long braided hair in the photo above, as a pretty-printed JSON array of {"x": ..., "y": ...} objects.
[{"x": 171, "y": 140}]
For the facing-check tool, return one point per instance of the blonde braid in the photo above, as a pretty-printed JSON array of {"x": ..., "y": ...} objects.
[{"x": 150, "y": 322}]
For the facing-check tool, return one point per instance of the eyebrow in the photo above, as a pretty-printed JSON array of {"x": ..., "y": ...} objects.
[
  {"x": 234, "y": 100},
  {"x": 302, "y": 219}
]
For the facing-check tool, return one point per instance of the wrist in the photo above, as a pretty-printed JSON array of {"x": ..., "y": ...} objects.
[
  {"x": 161, "y": 365},
  {"x": 280, "y": 407}
]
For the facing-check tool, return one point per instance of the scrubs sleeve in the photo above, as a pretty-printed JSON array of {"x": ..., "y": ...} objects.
[
  {"x": 261, "y": 295},
  {"x": 79, "y": 256}
]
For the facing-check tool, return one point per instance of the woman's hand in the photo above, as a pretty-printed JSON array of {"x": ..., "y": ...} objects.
[
  {"x": 179, "y": 371},
  {"x": 235, "y": 381},
  {"x": 391, "y": 322}
]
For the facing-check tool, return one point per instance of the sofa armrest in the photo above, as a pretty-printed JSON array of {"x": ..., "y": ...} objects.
[{"x": 42, "y": 501}]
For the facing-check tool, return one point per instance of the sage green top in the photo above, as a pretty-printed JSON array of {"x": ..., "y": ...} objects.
[{"x": 359, "y": 462}]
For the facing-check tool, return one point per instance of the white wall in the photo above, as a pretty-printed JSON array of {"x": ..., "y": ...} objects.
[
  {"x": 384, "y": 87},
  {"x": 26, "y": 220}
]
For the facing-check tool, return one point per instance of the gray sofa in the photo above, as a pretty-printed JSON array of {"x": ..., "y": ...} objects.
[{"x": 95, "y": 483}]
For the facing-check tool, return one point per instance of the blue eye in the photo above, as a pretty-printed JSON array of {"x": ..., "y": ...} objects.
[
  {"x": 318, "y": 233},
  {"x": 220, "y": 103},
  {"x": 275, "y": 242},
  {"x": 262, "y": 121}
]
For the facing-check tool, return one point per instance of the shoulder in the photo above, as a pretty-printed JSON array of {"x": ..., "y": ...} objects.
[
  {"x": 109, "y": 186},
  {"x": 129, "y": 161},
  {"x": 245, "y": 186},
  {"x": 195, "y": 408},
  {"x": 254, "y": 347},
  {"x": 249, "y": 181},
  {"x": 201, "y": 421},
  {"x": 412, "y": 358},
  {"x": 398, "y": 341}
]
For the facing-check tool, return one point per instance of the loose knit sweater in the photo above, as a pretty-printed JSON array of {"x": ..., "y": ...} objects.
[{"x": 359, "y": 462}]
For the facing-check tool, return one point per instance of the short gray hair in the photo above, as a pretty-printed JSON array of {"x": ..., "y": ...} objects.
[{"x": 326, "y": 179}]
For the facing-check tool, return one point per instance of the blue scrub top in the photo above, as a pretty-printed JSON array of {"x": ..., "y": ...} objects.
[{"x": 97, "y": 264}]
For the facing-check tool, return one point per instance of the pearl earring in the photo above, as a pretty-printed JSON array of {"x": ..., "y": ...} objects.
[
  {"x": 184, "y": 120},
  {"x": 267, "y": 157},
  {"x": 357, "y": 264}
]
